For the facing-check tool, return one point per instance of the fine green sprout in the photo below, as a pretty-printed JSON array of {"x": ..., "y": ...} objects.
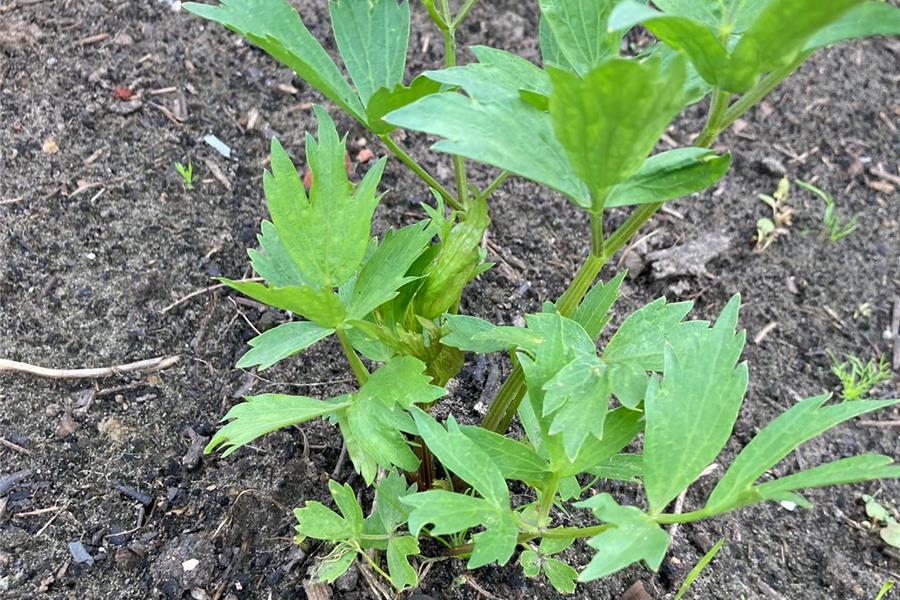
[
  {"x": 187, "y": 174},
  {"x": 832, "y": 225}
]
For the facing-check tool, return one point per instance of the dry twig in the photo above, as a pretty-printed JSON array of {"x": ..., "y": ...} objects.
[{"x": 142, "y": 366}]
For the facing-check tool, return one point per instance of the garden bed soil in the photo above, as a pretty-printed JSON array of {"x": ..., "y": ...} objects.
[{"x": 97, "y": 236}]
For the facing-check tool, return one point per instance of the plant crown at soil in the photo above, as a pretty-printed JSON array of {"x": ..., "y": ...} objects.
[{"x": 585, "y": 125}]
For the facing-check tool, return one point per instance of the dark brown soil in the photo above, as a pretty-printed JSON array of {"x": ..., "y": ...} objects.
[{"x": 84, "y": 275}]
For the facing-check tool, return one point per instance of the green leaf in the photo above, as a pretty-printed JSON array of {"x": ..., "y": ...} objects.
[
  {"x": 363, "y": 463},
  {"x": 463, "y": 333},
  {"x": 271, "y": 261},
  {"x": 399, "y": 549},
  {"x": 321, "y": 306},
  {"x": 275, "y": 26},
  {"x": 671, "y": 175},
  {"x": 319, "y": 522},
  {"x": 593, "y": 312},
  {"x": 514, "y": 459},
  {"x": 613, "y": 117},
  {"x": 551, "y": 54},
  {"x": 637, "y": 346},
  {"x": 579, "y": 32},
  {"x": 498, "y": 75},
  {"x": 389, "y": 509},
  {"x": 452, "y": 513},
  {"x": 457, "y": 262},
  {"x": 385, "y": 100},
  {"x": 401, "y": 382},
  {"x": 697, "y": 40},
  {"x": 261, "y": 414},
  {"x": 327, "y": 234},
  {"x": 633, "y": 536},
  {"x": 376, "y": 430},
  {"x": 281, "y": 342},
  {"x": 509, "y": 134},
  {"x": 372, "y": 37},
  {"x": 802, "y": 422},
  {"x": 778, "y": 36},
  {"x": 621, "y": 426},
  {"x": 385, "y": 270},
  {"x": 846, "y": 470},
  {"x": 621, "y": 467},
  {"x": 561, "y": 576},
  {"x": 335, "y": 564},
  {"x": 870, "y": 18},
  {"x": 346, "y": 501},
  {"x": 459, "y": 454},
  {"x": 530, "y": 561},
  {"x": 577, "y": 397},
  {"x": 691, "y": 412}
]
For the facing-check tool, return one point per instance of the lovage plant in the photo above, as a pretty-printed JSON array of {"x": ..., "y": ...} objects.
[{"x": 654, "y": 406}]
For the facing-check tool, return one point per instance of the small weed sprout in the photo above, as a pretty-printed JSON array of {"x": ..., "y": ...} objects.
[
  {"x": 882, "y": 593},
  {"x": 187, "y": 174},
  {"x": 768, "y": 230},
  {"x": 884, "y": 519},
  {"x": 832, "y": 226},
  {"x": 856, "y": 377}
]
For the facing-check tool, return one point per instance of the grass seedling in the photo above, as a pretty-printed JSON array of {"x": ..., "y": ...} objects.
[
  {"x": 857, "y": 377},
  {"x": 584, "y": 123},
  {"x": 698, "y": 568},
  {"x": 769, "y": 229},
  {"x": 187, "y": 175},
  {"x": 832, "y": 226},
  {"x": 882, "y": 593}
]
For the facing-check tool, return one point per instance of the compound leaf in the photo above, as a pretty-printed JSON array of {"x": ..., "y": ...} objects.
[
  {"x": 281, "y": 342},
  {"x": 803, "y": 421},
  {"x": 691, "y": 412},
  {"x": 317, "y": 521},
  {"x": 334, "y": 564},
  {"x": 327, "y": 234},
  {"x": 259, "y": 415},
  {"x": 593, "y": 312},
  {"x": 632, "y": 536},
  {"x": 275, "y": 26},
  {"x": 577, "y": 397},
  {"x": 372, "y": 36},
  {"x": 389, "y": 509},
  {"x": 609, "y": 121}
]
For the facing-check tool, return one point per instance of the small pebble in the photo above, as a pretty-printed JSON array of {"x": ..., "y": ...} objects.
[{"x": 80, "y": 554}]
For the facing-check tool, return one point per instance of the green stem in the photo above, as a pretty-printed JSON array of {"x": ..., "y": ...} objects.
[
  {"x": 548, "y": 494},
  {"x": 356, "y": 365},
  {"x": 462, "y": 13},
  {"x": 688, "y": 517},
  {"x": 558, "y": 533},
  {"x": 597, "y": 233},
  {"x": 760, "y": 91},
  {"x": 713, "y": 126},
  {"x": 496, "y": 183},
  {"x": 459, "y": 167},
  {"x": 416, "y": 168}
]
